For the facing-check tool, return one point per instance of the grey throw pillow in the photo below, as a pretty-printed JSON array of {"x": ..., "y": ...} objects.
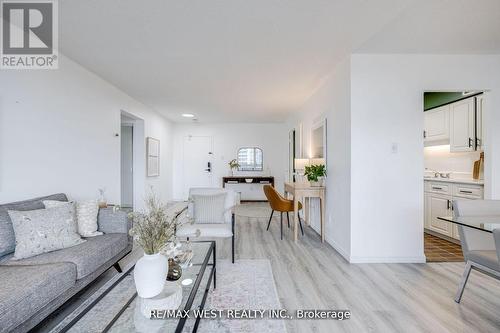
[
  {"x": 209, "y": 208},
  {"x": 44, "y": 230}
]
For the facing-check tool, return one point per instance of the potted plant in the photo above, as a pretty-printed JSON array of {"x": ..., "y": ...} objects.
[
  {"x": 233, "y": 165},
  {"x": 315, "y": 174},
  {"x": 152, "y": 229}
]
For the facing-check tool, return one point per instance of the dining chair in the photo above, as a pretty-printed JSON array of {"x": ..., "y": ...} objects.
[
  {"x": 481, "y": 249},
  {"x": 282, "y": 205}
]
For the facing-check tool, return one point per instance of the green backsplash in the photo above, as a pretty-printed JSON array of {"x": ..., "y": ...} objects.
[{"x": 433, "y": 99}]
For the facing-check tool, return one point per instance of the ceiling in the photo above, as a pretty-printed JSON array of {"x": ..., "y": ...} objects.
[{"x": 254, "y": 61}]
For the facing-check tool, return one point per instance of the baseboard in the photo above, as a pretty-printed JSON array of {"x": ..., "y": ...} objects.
[
  {"x": 338, "y": 248},
  {"x": 388, "y": 260}
]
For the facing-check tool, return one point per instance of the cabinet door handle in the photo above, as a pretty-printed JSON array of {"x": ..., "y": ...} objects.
[
  {"x": 437, "y": 188},
  {"x": 478, "y": 142},
  {"x": 425, "y": 134},
  {"x": 448, "y": 203},
  {"x": 463, "y": 191},
  {"x": 470, "y": 142}
]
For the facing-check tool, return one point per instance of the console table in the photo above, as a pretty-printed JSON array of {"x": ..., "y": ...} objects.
[
  {"x": 249, "y": 187},
  {"x": 302, "y": 192}
]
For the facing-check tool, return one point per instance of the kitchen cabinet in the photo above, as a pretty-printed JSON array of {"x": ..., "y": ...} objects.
[
  {"x": 439, "y": 205},
  {"x": 463, "y": 126},
  {"x": 437, "y": 125},
  {"x": 438, "y": 199},
  {"x": 479, "y": 122}
]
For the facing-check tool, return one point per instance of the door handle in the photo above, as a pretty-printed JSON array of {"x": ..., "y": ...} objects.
[{"x": 209, "y": 165}]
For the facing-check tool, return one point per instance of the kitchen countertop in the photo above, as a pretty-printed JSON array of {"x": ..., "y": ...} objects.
[{"x": 455, "y": 180}]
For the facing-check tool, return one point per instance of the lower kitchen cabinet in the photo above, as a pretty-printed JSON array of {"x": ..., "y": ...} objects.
[
  {"x": 438, "y": 206},
  {"x": 438, "y": 201}
]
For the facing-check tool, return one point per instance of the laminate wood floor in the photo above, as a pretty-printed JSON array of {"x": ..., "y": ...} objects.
[{"x": 381, "y": 297}]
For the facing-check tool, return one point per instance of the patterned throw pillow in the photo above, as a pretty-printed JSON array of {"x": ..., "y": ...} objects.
[
  {"x": 86, "y": 216},
  {"x": 209, "y": 208},
  {"x": 44, "y": 230}
]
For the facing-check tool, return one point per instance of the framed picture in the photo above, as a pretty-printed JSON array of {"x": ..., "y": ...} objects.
[{"x": 153, "y": 157}]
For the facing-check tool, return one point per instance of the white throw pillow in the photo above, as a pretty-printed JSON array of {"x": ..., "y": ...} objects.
[
  {"x": 86, "y": 216},
  {"x": 44, "y": 230},
  {"x": 209, "y": 208}
]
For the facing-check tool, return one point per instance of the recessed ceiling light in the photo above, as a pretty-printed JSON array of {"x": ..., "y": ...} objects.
[{"x": 188, "y": 115}]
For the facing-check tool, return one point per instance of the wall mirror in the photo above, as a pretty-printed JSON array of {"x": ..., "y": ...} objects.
[
  {"x": 318, "y": 142},
  {"x": 250, "y": 159}
]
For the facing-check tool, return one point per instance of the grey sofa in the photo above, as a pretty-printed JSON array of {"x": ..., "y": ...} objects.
[{"x": 32, "y": 288}]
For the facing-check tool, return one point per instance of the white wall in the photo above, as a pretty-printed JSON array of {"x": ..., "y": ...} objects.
[
  {"x": 386, "y": 108},
  {"x": 57, "y": 134},
  {"x": 332, "y": 101},
  {"x": 227, "y": 138}
]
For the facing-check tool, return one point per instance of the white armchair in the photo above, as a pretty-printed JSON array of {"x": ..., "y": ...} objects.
[{"x": 217, "y": 229}]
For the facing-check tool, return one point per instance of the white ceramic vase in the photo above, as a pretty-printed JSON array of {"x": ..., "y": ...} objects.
[{"x": 150, "y": 274}]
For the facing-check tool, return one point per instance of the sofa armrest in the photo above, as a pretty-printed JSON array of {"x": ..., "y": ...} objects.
[{"x": 110, "y": 221}]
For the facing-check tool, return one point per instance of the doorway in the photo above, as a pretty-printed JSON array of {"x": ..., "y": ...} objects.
[
  {"x": 127, "y": 165},
  {"x": 132, "y": 161},
  {"x": 453, "y": 146},
  {"x": 197, "y": 162}
]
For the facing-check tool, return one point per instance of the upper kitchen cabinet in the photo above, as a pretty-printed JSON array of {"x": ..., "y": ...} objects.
[
  {"x": 479, "y": 122},
  {"x": 463, "y": 126},
  {"x": 437, "y": 126}
]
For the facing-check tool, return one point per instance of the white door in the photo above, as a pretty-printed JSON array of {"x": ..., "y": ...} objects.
[
  {"x": 439, "y": 206},
  {"x": 437, "y": 124},
  {"x": 462, "y": 126},
  {"x": 197, "y": 162}
]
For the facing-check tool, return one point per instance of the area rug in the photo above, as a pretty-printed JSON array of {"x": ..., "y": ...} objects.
[
  {"x": 246, "y": 284},
  {"x": 254, "y": 209}
]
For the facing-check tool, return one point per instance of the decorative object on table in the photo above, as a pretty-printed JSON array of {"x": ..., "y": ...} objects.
[
  {"x": 315, "y": 174},
  {"x": 153, "y": 157},
  {"x": 86, "y": 216},
  {"x": 153, "y": 229},
  {"x": 478, "y": 167},
  {"x": 170, "y": 298},
  {"x": 102, "y": 198},
  {"x": 233, "y": 165},
  {"x": 174, "y": 270}
]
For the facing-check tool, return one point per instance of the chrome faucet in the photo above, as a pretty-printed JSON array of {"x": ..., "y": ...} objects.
[{"x": 436, "y": 173}]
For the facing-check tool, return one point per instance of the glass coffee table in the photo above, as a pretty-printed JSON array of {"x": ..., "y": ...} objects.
[{"x": 116, "y": 307}]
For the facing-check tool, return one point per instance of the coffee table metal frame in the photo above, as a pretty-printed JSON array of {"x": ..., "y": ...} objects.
[{"x": 189, "y": 303}]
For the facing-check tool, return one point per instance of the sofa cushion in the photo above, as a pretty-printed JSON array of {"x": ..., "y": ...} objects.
[
  {"x": 26, "y": 289},
  {"x": 7, "y": 238},
  {"x": 44, "y": 230},
  {"x": 87, "y": 256}
]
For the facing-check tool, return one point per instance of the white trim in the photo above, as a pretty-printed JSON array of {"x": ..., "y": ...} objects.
[
  {"x": 338, "y": 248},
  {"x": 389, "y": 260}
]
